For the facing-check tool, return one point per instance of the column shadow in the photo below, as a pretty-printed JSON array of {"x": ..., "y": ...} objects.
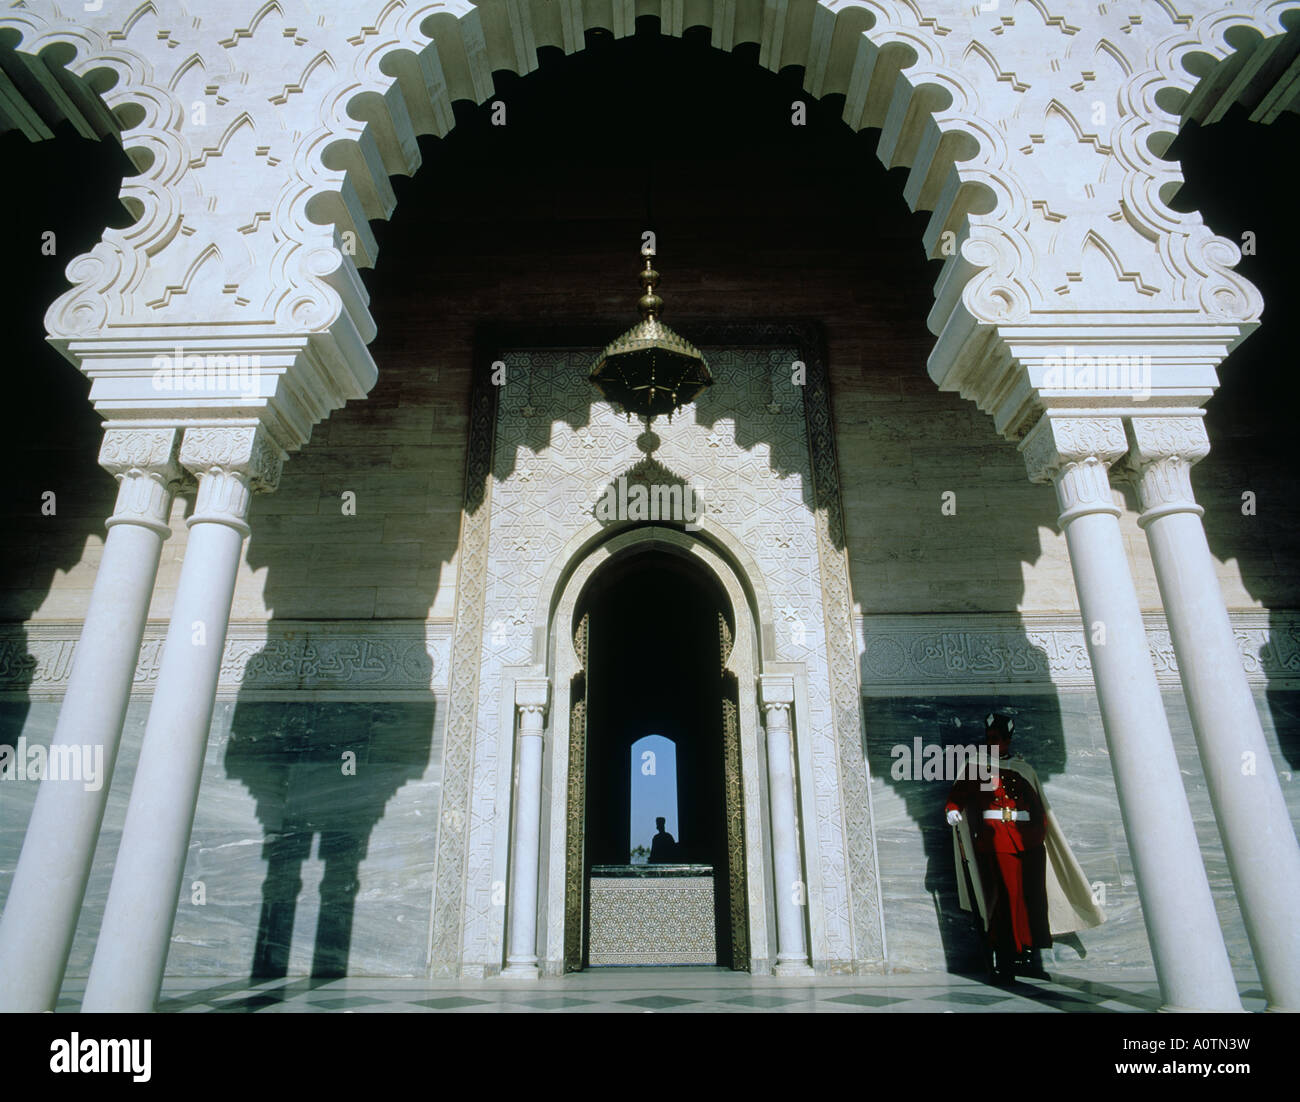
[
  {"x": 973, "y": 647},
  {"x": 293, "y": 758}
]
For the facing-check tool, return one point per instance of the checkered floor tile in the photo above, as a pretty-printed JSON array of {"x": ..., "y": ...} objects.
[{"x": 662, "y": 990}]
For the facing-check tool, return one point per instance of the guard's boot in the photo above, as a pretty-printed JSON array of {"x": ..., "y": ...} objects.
[
  {"x": 1030, "y": 963},
  {"x": 1005, "y": 971}
]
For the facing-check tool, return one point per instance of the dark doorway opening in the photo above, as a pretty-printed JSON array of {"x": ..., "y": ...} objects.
[{"x": 659, "y": 632}]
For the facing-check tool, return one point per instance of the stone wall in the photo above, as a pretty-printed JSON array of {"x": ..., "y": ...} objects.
[{"x": 280, "y": 822}]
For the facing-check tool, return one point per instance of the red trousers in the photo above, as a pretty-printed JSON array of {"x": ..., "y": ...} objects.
[{"x": 1019, "y": 919}]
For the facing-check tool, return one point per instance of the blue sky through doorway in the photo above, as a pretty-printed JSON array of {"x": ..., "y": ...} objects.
[{"x": 654, "y": 792}]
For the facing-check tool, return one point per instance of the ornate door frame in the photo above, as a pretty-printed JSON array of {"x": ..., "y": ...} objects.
[
  {"x": 499, "y": 581},
  {"x": 562, "y": 872}
]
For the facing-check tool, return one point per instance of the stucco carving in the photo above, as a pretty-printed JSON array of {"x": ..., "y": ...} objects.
[
  {"x": 778, "y": 498},
  {"x": 1164, "y": 450},
  {"x": 375, "y": 659},
  {"x": 1195, "y": 256},
  {"x": 148, "y": 472},
  {"x": 1058, "y": 442},
  {"x": 267, "y": 138},
  {"x": 281, "y": 658}
]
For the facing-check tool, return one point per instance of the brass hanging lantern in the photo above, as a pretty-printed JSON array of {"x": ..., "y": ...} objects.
[{"x": 650, "y": 370}]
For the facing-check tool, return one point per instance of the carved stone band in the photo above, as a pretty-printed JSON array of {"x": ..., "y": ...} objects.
[
  {"x": 1075, "y": 453},
  {"x": 1163, "y": 452},
  {"x": 148, "y": 474},
  {"x": 231, "y": 462}
]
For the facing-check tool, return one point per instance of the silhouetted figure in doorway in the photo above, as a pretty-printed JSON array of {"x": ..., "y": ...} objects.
[{"x": 663, "y": 849}]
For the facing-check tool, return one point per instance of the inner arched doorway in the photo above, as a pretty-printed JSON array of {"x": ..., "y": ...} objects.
[{"x": 656, "y": 633}]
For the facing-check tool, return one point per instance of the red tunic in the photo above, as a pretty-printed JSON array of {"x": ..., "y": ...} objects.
[{"x": 1012, "y": 853}]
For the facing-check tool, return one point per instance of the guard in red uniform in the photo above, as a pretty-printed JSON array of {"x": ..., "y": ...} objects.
[{"x": 1007, "y": 830}]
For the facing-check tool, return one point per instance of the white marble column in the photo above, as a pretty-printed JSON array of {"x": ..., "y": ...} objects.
[
  {"x": 521, "y": 952},
  {"x": 1182, "y": 927},
  {"x": 777, "y": 696},
  {"x": 1258, "y": 838},
  {"x": 230, "y": 463},
  {"x": 49, "y": 882}
]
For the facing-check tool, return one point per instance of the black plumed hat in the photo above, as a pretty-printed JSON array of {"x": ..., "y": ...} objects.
[{"x": 998, "y": 726}]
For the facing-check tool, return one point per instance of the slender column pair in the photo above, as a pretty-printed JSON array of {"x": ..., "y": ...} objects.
[
  {"x": 49, "y": 883},
  {"x": 530, "y": 703},
  {"x": 777, "y": 697},
  {"x": 1074, "y": 453},
  {"x": 1258, "y": 838},
  {"x": 126, "y": 974}
]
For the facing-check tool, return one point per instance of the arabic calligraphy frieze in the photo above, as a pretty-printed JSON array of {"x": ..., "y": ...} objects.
[
  {"x": 391, "y": 657},
  {"x": 981, "y": 649}
]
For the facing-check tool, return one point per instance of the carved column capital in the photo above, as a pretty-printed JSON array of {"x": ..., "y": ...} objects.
[
  {"x": 776, "y": 692},
  {"x": 1075, "y": 454},
  {"x": 231, "y": 463},
  {"x": 1160, "y": 460},
  {"x": 531, "y": 697},
  {"x": 145, "y": 463}
]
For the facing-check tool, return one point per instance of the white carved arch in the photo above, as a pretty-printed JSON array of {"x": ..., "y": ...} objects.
[
  {"x": 1151, "y": 183},
  {"x": 593, "y": 535},
  {"x": 960, "y": 96},
  {"x": 414, "y": 60},
  {"x": 894, "y": 76},
  {"x": 149, "y": 115}
]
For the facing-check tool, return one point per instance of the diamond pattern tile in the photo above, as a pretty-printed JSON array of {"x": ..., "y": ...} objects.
[
  {"x": 657, "y": 1002},
  {"x": 619, "y": 990},
  {"x": 865, "y": 1000}
]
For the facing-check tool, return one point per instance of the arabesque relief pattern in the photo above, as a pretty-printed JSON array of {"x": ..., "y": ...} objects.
[
  {"x": 267, "y": 135},
  {"x": 745, "y": 448}
]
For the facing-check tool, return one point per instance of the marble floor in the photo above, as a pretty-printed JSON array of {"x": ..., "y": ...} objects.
[{"x": 657, "y": 990}]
